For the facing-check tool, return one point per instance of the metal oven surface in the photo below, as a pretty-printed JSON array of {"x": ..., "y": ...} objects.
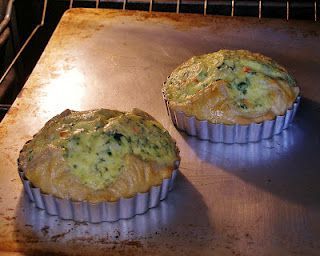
[{"x": 252, "y": 199}]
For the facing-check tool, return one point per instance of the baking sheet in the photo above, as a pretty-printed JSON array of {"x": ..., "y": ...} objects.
[{"x": 253, "y": 199}]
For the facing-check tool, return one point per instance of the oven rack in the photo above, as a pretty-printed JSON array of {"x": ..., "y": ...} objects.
[{"x": 288, "y": 5}]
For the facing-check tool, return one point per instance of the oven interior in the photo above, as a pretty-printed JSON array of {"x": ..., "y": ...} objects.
[{"x": 26, "y": 26}]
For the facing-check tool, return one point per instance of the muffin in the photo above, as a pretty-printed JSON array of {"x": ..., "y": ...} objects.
[
  {"x": 100, "y": 156},
  {"x": 233, "y": 88}
]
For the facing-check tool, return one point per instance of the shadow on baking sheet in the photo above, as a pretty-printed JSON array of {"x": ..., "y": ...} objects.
[
  {"x": 169, "y": 229},
  {"x": 286, "y": 165}
]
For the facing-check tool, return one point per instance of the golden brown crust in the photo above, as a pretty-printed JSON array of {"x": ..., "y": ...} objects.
[
  {"x": 52, "y": 176},
  {"x": 231, "y": 87},
  {"x": 213, "y": 104},
  {"x": 48, "y": 170}
]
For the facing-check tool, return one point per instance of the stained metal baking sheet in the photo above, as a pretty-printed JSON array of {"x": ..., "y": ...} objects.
[{"x": 252, "y": 199}]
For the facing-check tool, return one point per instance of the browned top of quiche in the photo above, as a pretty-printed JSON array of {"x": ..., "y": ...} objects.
[
  {"x": 231, "y": 87},
  {"x": 99, "y": 155}
]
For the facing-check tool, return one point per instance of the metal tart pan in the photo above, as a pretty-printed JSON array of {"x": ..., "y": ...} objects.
[
  {"x": 84, "y": 211},
  {"x": 205, "y": 130}
]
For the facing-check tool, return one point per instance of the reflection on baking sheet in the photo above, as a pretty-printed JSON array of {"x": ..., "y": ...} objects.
[
  {"x": 169, "y": 223},
  {"x": 284, "y": 166},
  {"x": 66, "y": 90},
  {"x": 249, "y": 154},
  {"x": 67, "y": 236},
  {"x": 142, "y": 224}
]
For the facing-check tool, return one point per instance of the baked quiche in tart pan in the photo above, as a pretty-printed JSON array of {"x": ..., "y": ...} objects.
[
  {"x": 231, "y": 96},
  {"x": 99, "y": 165}
]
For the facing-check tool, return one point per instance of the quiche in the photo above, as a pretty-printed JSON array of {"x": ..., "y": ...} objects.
[
  {"x": 231, "y": 87},
  {"x": 99, "y": 155}
]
